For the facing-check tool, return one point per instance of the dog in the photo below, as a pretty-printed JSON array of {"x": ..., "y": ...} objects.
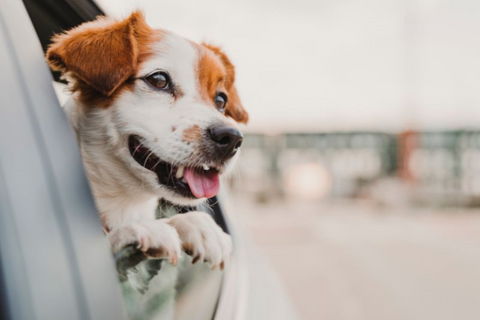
[{"x": 156, "y": 118}]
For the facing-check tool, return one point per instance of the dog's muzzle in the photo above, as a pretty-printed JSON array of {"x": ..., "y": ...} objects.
[{"x": 197, "y": 177}]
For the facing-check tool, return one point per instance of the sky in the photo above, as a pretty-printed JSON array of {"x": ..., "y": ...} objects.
[{"x": 330, "y": 65}]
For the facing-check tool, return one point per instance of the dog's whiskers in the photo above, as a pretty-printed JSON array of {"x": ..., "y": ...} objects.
[
  {"x": 142, "y": 143},
  {"x": 148, "y": 157}
]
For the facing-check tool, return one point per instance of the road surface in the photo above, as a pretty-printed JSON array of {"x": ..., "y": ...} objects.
[{"x": 353, "y": 261}]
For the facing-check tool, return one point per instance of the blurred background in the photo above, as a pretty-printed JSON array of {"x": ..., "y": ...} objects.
[{"x": 359, "y": 179}]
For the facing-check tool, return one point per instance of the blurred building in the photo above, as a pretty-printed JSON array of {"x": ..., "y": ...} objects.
[{"x": 420, "y": 167}]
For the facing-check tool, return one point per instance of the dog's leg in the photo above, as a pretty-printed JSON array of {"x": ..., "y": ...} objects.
[
  {"x": 202, "y": 238},
  {"x": 136, "y": 241}
]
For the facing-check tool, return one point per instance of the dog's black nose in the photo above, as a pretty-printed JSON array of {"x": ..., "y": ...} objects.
[{"x": 227, "y": 139}]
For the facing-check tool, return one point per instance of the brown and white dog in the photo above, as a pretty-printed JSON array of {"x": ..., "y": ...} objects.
[{"x": 155, "y": 119}]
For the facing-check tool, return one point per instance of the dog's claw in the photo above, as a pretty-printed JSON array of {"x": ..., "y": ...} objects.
[
  {"x": 174, "y": 260},
  {"x": 196, "y": 259},
  {"x": 202, "y": 238}
]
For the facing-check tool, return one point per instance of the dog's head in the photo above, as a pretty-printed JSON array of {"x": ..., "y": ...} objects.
[{"x": 168, "y": 106}]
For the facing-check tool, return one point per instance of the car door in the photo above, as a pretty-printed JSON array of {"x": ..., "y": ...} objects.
[{"x": 54, "y": 259}]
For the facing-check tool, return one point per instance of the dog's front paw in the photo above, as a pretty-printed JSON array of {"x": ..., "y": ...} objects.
[
  {"x": 152, "y": 238},
  {"x": 202, "y": 238}
]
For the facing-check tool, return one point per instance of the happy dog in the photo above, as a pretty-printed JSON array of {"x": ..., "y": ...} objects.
[{"x": 154, "y": 115}]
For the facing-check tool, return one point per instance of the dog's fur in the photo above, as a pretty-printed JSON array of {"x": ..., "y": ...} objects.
[{"x": 104, "y": 62}]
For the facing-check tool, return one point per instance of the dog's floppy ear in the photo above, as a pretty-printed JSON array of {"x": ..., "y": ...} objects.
[
  {"x": 234, "y": 107},
  {"x": 102, "y": 53}
]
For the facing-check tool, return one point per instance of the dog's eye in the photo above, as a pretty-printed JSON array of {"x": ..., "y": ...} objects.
[
  {"x": 220, "y": 101},
  {"x": 159, "y": 80}
]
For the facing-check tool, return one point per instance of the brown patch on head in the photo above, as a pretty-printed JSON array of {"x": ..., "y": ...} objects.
[
  {"x": 217, "y": 74},
  {"x": 192, "y": 134},
  {"x": 102, "y": 56},
  {"x": 211, "y": 75}
]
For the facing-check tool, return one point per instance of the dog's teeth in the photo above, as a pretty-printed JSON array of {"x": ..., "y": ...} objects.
[
  {"x": 179, "y": 173},
  {"x": 205, "y": 167},
  {"x": 183, "y": 180}
]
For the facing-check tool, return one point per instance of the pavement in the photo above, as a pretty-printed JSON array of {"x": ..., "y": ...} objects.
[{"x": 358, "y": 261}]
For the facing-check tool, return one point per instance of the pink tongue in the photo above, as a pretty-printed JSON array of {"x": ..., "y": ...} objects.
[{"x": 202, "y": 185}]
